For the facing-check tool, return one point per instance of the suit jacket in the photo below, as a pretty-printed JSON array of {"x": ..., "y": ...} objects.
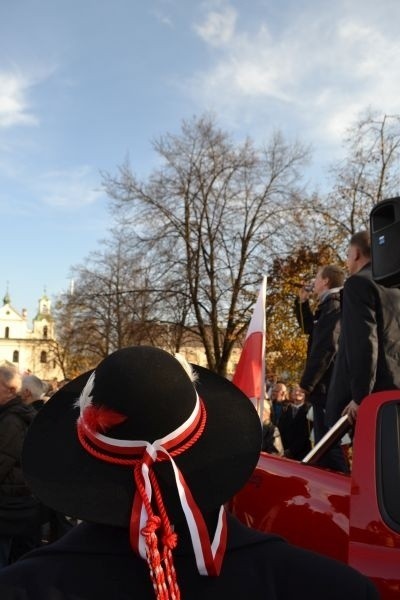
[
  {"x": 95, "y": 562},
  {"x": 369, "y": 346},
  {"x": 294, "y": 429}
]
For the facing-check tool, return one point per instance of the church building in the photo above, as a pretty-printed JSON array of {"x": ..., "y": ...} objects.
[{"x": 29, "y": 349}]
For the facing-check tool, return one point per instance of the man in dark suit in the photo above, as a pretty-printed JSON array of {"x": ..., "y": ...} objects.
[{"x": 369, "y": 346}]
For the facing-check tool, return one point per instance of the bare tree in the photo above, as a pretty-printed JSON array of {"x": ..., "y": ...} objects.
[
  {"x": 111, "y": 306},
  {"x": 369, "y": 173},
  {"x": 69, "y": 347},
  {"x": 192, "y": 241},
  {"x": 208, "y": 218}
]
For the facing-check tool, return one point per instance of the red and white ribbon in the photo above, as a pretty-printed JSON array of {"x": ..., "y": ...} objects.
[{"x": 208, "y": 554}]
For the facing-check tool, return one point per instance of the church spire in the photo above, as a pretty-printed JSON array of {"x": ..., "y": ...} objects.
[{"x": 7, "y": 299}]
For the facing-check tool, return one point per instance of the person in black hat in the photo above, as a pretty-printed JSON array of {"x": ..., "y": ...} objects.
[{"x": 147, "y": 457}]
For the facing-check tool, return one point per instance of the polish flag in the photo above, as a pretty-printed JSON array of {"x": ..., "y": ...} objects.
[{"x": 250, "y": 371}]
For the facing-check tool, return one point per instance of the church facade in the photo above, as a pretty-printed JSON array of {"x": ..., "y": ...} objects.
[{"x": 29, "y": 349}]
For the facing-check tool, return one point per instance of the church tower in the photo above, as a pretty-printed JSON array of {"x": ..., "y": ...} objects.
[
  {"x": 24, "y": 348},
  {"x": 43, "y": 323}
]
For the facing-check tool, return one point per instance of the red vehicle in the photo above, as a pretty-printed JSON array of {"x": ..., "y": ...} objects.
[{"x": 354, "y": 518}]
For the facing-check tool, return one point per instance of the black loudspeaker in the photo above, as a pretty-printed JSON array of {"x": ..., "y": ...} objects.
[{"x": 385, "y": 242}]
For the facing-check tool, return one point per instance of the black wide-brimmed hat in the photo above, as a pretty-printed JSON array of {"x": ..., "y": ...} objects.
[{"x": 152, "y": 390}]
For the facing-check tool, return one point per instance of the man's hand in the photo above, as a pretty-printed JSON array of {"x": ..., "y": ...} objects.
[
  {"x": 351, "y": 410},
  {"x": 304, "y": 295}
]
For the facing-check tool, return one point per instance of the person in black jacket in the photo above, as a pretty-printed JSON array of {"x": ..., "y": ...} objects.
[
  {"x": 323, "y": 328},
  {"x": 19, "y": 511},
  {"x": 294, "y": 427},
  {"x": 369, "y": 347},
  {"x": 147, "y": 457}
]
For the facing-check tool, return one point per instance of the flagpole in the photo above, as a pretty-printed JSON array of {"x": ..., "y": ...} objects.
[
  {"x": 250, "y": 371},
  {"x": 263, "y": 294}
]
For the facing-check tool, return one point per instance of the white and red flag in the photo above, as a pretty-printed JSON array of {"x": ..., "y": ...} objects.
[{"x": 250, "y": 371}]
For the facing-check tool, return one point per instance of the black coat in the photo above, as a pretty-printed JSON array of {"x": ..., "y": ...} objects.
[
  {"x": 369, "y": 346},
  {"x": 294, "y": 428},
  {"x": 322, "y": 347},
  {"x": 269, "y": 434},
  {"x": 20, "y": 511},
  {"x": 15, "y": 418},
  {"x": 304, "y": 316},
  {"x": 95, "y": 562}
]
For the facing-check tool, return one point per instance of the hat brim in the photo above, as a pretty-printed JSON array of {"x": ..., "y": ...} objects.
[{"x": 68, "y": 479}]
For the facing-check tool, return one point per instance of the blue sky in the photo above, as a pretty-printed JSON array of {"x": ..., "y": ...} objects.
[{"x": 86, "y": 83}]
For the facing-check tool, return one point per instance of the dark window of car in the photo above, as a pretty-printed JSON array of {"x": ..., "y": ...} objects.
[{"x": 388, "y": 463}]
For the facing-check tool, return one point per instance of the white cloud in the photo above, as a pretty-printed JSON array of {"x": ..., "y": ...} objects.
[
  {"x": 320, "y": 68},
  {"x": 14, "y": 106},
  {"x": 162, "y": 18},
  {"x": 68, "y": 189},
  {"x": 218, "y": 28}
]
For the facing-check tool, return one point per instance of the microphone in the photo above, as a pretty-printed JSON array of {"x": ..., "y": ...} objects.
[{"x": 306, "y": 286}]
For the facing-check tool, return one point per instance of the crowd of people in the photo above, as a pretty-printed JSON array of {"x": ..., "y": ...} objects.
[
  {"x": 286, "y": 426},
  {"x": 25, "y": 523},
  {"x": 353, "y": 350},
  {"x": 144, "y": 454}
]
